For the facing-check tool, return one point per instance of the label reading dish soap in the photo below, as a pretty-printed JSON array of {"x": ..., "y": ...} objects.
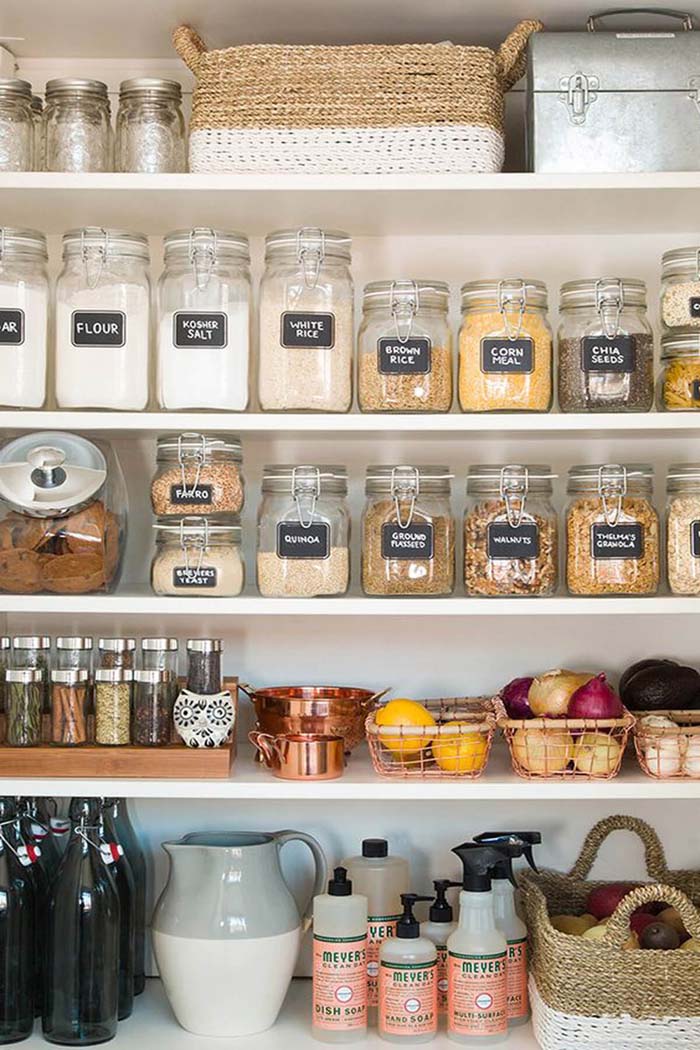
[
  {"x": 516, "y": 974},
  {"x": 340, "y": 983},
  {"x": 477, "y": 999},
  {"x": 379, "y": 929},
  {"x": 407, "y": 998}
]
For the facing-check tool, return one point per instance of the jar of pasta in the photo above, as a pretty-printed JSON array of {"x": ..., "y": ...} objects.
[
  {"x": 505, "y": 347},
  {"x": 679, "y": 388},
  {"x": 405, "y": 348},
  {"x": 612, "y": 530},
  {"x": 680, "y": 288},
  {"x": 683, "y": 528},
  {"x": 510, "y": 531}
]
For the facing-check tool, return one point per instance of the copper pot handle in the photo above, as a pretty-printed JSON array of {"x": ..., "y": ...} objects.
[
  {"x": 248, "y": 689},
  {"x": 375, "y": 698},
  {"x": 266, "y": 745}
]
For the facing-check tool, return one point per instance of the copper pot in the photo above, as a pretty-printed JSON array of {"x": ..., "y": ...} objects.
[
  {"x": 301, "y": 756},
  {"x": 323, "y": 710}
]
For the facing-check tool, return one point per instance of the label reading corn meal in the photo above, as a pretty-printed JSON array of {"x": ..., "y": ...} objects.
[
  {"x": 477, "y": 999},
  {"x": 340, "y": 983},
  {"x": 507, "y": 355},
  {"x": 617, "y": 541},
  {"x": 407, "y": 998}
]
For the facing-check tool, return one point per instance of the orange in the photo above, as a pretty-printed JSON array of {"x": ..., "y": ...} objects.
[
  {"x": 399, "y": 714},
  {"x": 465, "y": 753}
]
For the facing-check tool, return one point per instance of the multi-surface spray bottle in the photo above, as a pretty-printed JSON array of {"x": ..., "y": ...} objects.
[
  {"x": 437, "y": 929},
  {"x": 340, "y": 964},
  {"x": 408, "y": 981}
]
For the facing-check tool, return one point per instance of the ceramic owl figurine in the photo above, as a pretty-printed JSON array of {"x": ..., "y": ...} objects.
[{"x": 204, "y": 721}]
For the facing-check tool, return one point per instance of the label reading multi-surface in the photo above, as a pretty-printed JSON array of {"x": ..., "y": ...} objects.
[
  {"x": 617, "y": 541},
  {"x": 195, "y": 578},
  {"x": 203, "y": 494},
  {"x": 296, "y": 541},
  {"x": 340, "y": 983},
  {"x": 307, "y": 331},
  {"x": 695, "y": 539},
  {"x": 600, "y": 354},
  {"x": 407, "y": 541},
  {"x": 379, "y": 929},
  {"x": 98, "y": 328},
  {"x": 505, "y": 542},
  {"x": 507, "y": 355},
  {"x": 200, "y": 330},
  {"x": 694, "y": 306},
  {"x": 11, "y": 327},
  {"x": 477, "y": 999},
  {"x": 395, "y": 358},
  {"x": 516, "y": 979},
  {"x": 407, "y": 998}
]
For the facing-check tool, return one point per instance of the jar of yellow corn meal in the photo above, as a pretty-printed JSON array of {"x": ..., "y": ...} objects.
[
  {"x": 505, "y": 347},
  {"x": 679, "y": 389}
]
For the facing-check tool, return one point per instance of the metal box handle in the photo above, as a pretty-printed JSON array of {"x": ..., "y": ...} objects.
[{"x": 592, "y": 24}]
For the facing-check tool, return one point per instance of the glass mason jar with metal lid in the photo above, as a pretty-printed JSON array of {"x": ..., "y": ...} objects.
[
  {"x": 33, "y": 652},
  {"x": 303, "y": 548},
  {"x": 113, "y": 693},
  {"x": 115, "y": 653},
  {"x": 150, "y": 128},
  {"x": 612, "y": 530},
  {"x": 505, "y": 347},
  {"x": 204, "y": 313},
  {"x": 16, "y": 125},
  {"x": 683, "y": 528},
  {"x": 404, "y": 348},
  {"x": 198, "y": 474},
  {"x": 680, "y": 288},
  {"x": 103, "y": 296},
  {"x": 26, "y": 690},
  {"x": 605, "y": 347},
  {"x": 160, "y": 654},
  {"x": 204, "y": 665},
  {"x": 198, "y": 557},
  {"x": 152, "y": 714},
  {"x": 408, "y": 533},
  {"x": 77, "y": 127},
  {"x": 510, "y": 531},
  {"x": 679, "y": 385},
  {"x": 74, "y": 654},
  {"x": 24, "y": 307},
  {"x": 306, "y": 322},
  {"x": 70, "y": 691},
  {"x": 37, "y": 107}
]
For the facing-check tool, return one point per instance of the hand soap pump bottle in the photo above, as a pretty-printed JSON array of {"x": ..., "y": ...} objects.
[
  {"x": 437, "y": 929},
  {"x": 408, "y": 981},
  {"x": 339, "y": 963}
]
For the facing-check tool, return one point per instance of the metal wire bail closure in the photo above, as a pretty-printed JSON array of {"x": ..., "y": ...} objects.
[
  {"x": 301, "y": 488},
  {"x": 198, "y": 455},
  {"x": 197, "y": 543},
  {"x": 2, "y": 241},
  {"x": 92, "y": 254},
  {"x": 405, "y": 484},
  {"x": 514, "y": 484},
  {"x": 504, "y": 301},
  {"x": 203, "y": 256},
  {"x": 612, "y": 485},
  {"x": 405, "y": 303},
  {"x": 311, "y": 251},
  {"x": 604, "y": 301}
]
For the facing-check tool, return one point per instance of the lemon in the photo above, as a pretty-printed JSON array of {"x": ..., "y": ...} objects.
[
  {"x": 398, "y": 714},
  {"x": 465, "y": 753}
]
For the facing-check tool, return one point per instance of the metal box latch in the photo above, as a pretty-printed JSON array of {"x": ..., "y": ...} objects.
[
  {"x": 577, "y": 93},
  {"x": 694, "y": 91}
]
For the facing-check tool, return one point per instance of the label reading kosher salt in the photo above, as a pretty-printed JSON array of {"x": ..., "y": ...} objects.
[
  {"x": 600, "y": 354},
  {"x": 617, "y": 541},
  {"x": 507, "y": 356},
  {"x": 203, "y": 494},
  {"x": 695, "y": 539},
  {"x": 199, "y": 330},
  {"x": 295, "y": 541},
  {"x": 409, "y": 358},
  {"x": 505, "y": 542},
  {"x": 98, "y": 328},
  {"x": 407, "y": 541},
  {"x": 311, "y": 331},
  {"x": 203, "y": 577},
  {"x": 11, "y": 327},
  {"x": 694, "y": 306}
]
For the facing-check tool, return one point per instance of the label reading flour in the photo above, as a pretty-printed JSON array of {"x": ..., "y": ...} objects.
[
  {"x": 695, "y": 539},
  {"x": 505, "y": 542},
  {"x": 196, "y": 578},
  {"x": 98, "y": 328},
  {"x": 203, "y": 494},
  {"x": 694, "y": 306},
  {"x": 409, "y": 358},
  {"x": 11, "y": 327},
  {"x": 617, "y": 541},
  {"x": 200, "y": 330},
  {"x": 507, "y": 356},
  {"x": 295, "y": 541},
  {"x": 600, "y": 354},
  {"x": 340, "y": 983},
  {"x": 379, "y": 928},
  {"x": 516, "y": 973},
  {"x": 407, "y": 541},
  {"x": 407, "y": 998},
  {"x": 312, "y": 331},
  {"x": 478, "y": 994}
]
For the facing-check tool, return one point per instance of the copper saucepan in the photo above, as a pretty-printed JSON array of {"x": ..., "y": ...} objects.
[
  {"x": 323, "y": 710},
  {"x": 301, "y": 756}
]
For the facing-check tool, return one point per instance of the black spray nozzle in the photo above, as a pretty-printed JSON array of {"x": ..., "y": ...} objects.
[
  {"x": 480, "y": 862},
  {"x": 527, "y": 839},
  {"x": 441, "y": 909},
  {"x": 408, "y": 925}
]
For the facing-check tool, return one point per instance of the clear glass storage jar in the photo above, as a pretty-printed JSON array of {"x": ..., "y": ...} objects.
[
  {"x": 303, "y": 548},
  {"x": 150, "y": 128},
  {"x": 69, "y": 707},
  {"x": 116, "y": 653},
  {"x": 408, "y": 533},
  {"x": 306, "y": 322},
  {"x": 37, "y": 106},
  {"x": 404, "y": 348},
  {"x": 74, "y": 654},
  {"x": 510, "y": 531},
  {"x": 24, "y": 306},
  {"x": 204, "y": 321},
  {"x": 5, "y": 656},
  {"x": 605, "y": 347},
  {"x": 204, "y": 665},
  {"x": 77, "y": 125},
  {"x": 505, "y": 347},
  {"x": 680, "y": 288},
  {"x": 683, "y": 528},
  {"x": 33, "y": 652},
  {"x": 16, "y": 125},
  {"x": 103, "y": 296},
  {"x": 679, "y": 385},
  {"x": 612, "y": 530},
  {"x": 197, "y": 557},
  {"x": 152, "y": 715},
  {"x": 198, "y": 474},
  {"x": 113, "y": 693},
  {"x": 160, "y": 654},
  {"x": 26, "y": 691}
]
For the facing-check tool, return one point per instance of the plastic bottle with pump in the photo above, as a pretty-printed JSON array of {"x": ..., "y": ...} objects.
[
  {"x": 339, "y": 963},
  {"x": 437, "y": 929},
  {"x": 408, "y": 981}
]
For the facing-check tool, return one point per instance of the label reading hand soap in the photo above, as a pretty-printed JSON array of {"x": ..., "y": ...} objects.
[{"x": 407, "y": 998}]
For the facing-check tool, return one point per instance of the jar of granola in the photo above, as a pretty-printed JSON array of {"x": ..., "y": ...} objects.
[
  {"x": 197, "y": 474},
  {"x": 679, "y": 387},
  {"x": 683, "y": 528},
  {"x": 510, "y": 531},
  {"x": 612, "y": 530}
]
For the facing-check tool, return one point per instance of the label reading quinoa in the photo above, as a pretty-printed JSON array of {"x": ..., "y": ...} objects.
[
  {"x": 694, "y": 306},
  {"x": 199, "y": 329},
  {"x": 199, "y": 494},
  {"x": 98, "y": 328},
  {"x": 407, "y": 541},
  {"x": 600, "y": 354},
  {"x": 11, "y": 327},
  {"x": 695, "y": 539},
  {"x": 295, "y": 541},
  {"x": 478, "y": 994},
  {"x": 204, "y": 577},
  {"x": 505, "y": 542},
  {"x": 617, "y": 541},
  {"x": 340, "y": 983},
  {"x": 310, "y": 331},
  {"x": 395, "y": 358},
  {"x": 507, "y": 356}
]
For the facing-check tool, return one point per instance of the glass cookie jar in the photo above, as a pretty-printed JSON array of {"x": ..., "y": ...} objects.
[
  {"x": 679, "y": 386},
  {"x": 197, "y": 474},
  {"x": 198, "y": 557},
  {"x": 77, "y": 125},
  {"x": 150, "y": 126},
  {"x": 404, "y": 359}
]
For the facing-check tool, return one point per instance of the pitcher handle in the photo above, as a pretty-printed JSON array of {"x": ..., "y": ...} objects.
[{"x": 282, "y": 837}]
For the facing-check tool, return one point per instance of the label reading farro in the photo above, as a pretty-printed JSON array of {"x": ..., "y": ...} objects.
[
  {"x": 11, "y": 327},
  {"x": 507, "y": 356},
  {"x": 407, "y": 541},
  {"x": 310, "y": 331},
  {"x": 695, "y": 539},
  {"x": 206, "y": 576},
  {"x": 340, "y": 983},
  {"x": 505, "y": 542},
  {"x": 477, "y": 996},
  {"x": 694, "y": 306},
  {"x": 199, "y": 330},
  {"x": 617, "y": 541},
  {"x": 105, "y": 328},
  {"x": 196, "y": 494},
  {"x": 409, "y": 358},
  {"x": 294, "y": 540},
  {"x": 407, "y": 998},
  {"x": 600, "y": 354}
]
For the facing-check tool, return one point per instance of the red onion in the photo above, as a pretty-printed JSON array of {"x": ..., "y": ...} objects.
[
  {"x": 515, "y": 697},
  {"x": 595, "y": 699}
]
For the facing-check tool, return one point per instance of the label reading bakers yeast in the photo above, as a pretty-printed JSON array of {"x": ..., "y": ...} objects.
[
  {"x": 200, "y": 330},
  {"x": 694, "y": 306},
  {"x": 505, "y": 542},
  {"x": 617, "y": 541},
  {"x": 296, "y": 541},
  {"x": 11, "y": 327},
  {"x": 409, "y": 358},
  {"x": 310, "y": 331},
  {"x": 203, "y": 494},
  {"x": 507, "y": 356},
  {"x": 196, "y": 578},
  {"x": 695, "y": 539},
  {"x": 407, "y": 541},
  {"x": 98, "y": 328},
  {"x": 600, "y": 354}
]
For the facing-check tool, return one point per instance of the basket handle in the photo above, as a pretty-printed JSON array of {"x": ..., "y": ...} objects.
[
  {"x": 618, "y": 928},
  {"x": 189, "y": 46},
  {"x": 511, "y": 55},
  {"x": 653, "y": 850}
]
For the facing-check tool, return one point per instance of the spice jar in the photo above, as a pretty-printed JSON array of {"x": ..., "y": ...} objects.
[
  {"x": 510, "y": 531},
  {"x": 303, "y": 532},
  {"x": 74, "y": 654},
  {"x": 204, "y": 321},
  {"x": 77, "y": 128},
  {"x": 116, "y": 653},
  {"x": 33, "y": 652},
  {"x": 683, "y": 528},
  {"x": 612, "y": 530},
  {"x": 204, "y": 665},
  {"x": 160, "y": 654},
  {"x": 404, "y": 349},
  {"x": 16, "y": 125},
  {"x": 680, "y": 288},
  {"x": 25, "y": 695},
  {"x": 69, "y": 707},
  {"x": 113, "y": 688},
  {"x": 408, "y": 534},
  {"x": 195, "y": 556},
  {"x": 605, "y": 347},
  {"x": 103, "y": 320},
  {"x": 24, "y": 302},
  {"x": 152, "y": 708},
  {"x": 150, "y": 129},
  {"x": 306, "y": 322},
  {"x": 197, "y": 474},
  {"x": 679, "y": 387}
]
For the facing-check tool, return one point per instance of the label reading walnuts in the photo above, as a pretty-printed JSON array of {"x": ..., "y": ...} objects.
[
  {"x": 478, "y": 994},
  {"x": 505, "y": 542},
  {"x": 507, "y": 356},
  {"x": 407, "y": 541},
  {"x": 309, "y": 331},
  {"x": 407, "y": 998},
  {"x": 600, "y": 354},
  {"x": 340, "y": 983},
  {"x": 617, "y": 541},
  {"x": 294, "y": 540},
  {"x": 409, "y": 358}
]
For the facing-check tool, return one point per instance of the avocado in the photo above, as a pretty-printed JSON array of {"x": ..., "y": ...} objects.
[
  {"x": 641, "y": 665},
  {"x": 662, "y": 687},
  {"x": 659, "y": 935}
]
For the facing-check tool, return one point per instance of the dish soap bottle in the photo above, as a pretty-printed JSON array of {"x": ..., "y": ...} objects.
[
  {"x": 408, "y": 981},
  {"x": 381, "y": 879},
  {"x": 340, "y": 963},
  {"x": 437, "y": 929}
]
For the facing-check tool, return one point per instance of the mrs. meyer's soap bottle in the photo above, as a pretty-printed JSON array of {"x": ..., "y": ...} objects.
[
  {"x": 408, "y": 981},
  {"x": 381, "y": 879},
  {"x": 340, "y": 967}
]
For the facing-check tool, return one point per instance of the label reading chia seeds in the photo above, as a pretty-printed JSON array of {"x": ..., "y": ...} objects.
[
  {"x": 600, "y": 354},
  {"x": 407, "y": 541},
  {"x": 199, "y": 329},
  {"x": 313, "y": 331},
  {"x": 11, "y": 327},
  {"x": 295, "y": 541},
  {"x": 199, "y": 494},
  {"x": 617, "y": 541},
  {"x": 695, "y": 539},
  {"x": 694, "y": 306},
  {"x": 505, "y": 542},
  {"x": 409, "y": 358},
  {"x": 507, "y": 356},
  {"x": 204, "y": 577},
  {"x": 98, "y": 328}
]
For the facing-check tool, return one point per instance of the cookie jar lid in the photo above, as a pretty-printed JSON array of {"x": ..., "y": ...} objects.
[{"x": 50, "y": 473}]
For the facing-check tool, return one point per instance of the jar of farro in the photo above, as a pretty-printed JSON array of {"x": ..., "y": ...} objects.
[
  {"x": 683, "y": 528},
  {"x": 198, "y": 474}
]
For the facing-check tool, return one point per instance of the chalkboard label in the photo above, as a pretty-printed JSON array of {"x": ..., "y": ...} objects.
[
  {"x": 204, "y": 577},
  {"x": 505, "y": 542},
  {"x": 295, "y": 541},
  {"x": 409, "y": 358},
  {"x": 98, "y": 328},
  {"x": 308, "y": 331},
  {"x": 195, "y": 494},
  {"x": 11, "y": 327},
  {"x": 507, "y": 356},
  {"x": 410, "y": 542},
  {"x": 200, "y": 330},
  {"x": 694, "y": 306},
  {"x": 695, "y": 390},
  {"x": 600, "y": 354},
  {"x": 617, "y": 541},
  {"x": 695, "y": 539}
]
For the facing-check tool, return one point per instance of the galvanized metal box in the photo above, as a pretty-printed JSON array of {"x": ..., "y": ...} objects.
[{"x": 611, "y": 101}]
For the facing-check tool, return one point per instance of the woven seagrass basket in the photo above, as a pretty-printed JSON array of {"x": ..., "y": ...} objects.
[{"x": 356, "y": 109}]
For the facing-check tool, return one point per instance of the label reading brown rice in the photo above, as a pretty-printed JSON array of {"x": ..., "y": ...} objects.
[
  {"x": 294, "y": 540},
  {"x": 505, "y": 542},
  {"x": 197, "y": 494},
  {"x": 600, "y": 354},
  {"x": 617, "y": 541},
  {"x": 507, "y": 356},
  {"x": 307, "y": 330},
  {"x": 409, "y": 358},
  {"x": 695, "y": 539},
  {"x": 206, "y": 576},
  {"x": 407, "y": 541}
]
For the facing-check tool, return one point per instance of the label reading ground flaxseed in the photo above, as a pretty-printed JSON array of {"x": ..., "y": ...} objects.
[
  {"x": 600, "y": 354},
  {"x": 407, "y": 998},
  {"x": 617, "y": 541},
  {"x": 407, "y": 541},
  {"x": 307, "y": 331},
  {"x": 505, "y": 542},
  {"x": 695, "y": 539},
  {"x": 694, "y": 306},
  {"x": 379, "y": 929},
  {"x": 98, "y": 328},
  {"x": 507, "y": 356},
  {"x": 11, "y": 327},
  {"x": 340, "y": 983},
  {"x": 199, "y": 330},
  {"x": 516, "y": 974},
  {"x": 477, "y": 996},
  {"x": 409, "y": 358},
  {"x": 197, "y": 578},
  {"x": 196, "y": 494},
  {"x": 296, "y": 541}
]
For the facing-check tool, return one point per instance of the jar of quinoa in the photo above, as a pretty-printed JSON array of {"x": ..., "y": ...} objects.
[
  {"x": 198, "y": 474},
  {"x": 680, "y": 288},
  {"x": 679, "y": 387},
  {"x": 683, "y": 528},
  {"x": 612, "y": 531}
]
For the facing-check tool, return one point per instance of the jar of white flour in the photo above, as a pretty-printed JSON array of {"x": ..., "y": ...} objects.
[{"x": 24, "y": 297}]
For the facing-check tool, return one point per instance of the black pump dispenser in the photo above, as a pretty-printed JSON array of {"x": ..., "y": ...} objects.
[
  {"x": 479, "y": 861},
  {"x": 441, "y": 909},
  {"x": 408, "y": 926},
  {"x": 528, "y": 839},
  {"x": 340, "y": 885}
]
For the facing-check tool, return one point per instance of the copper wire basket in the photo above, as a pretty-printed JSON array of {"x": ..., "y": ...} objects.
[
  {"x": 666, "y": 753},
  {"x": 565, "y": 748},
  {"x": 452, "y": 752}
]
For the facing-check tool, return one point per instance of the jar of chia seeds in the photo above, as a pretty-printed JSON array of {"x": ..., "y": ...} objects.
[{"x": 679, "y": 385}]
